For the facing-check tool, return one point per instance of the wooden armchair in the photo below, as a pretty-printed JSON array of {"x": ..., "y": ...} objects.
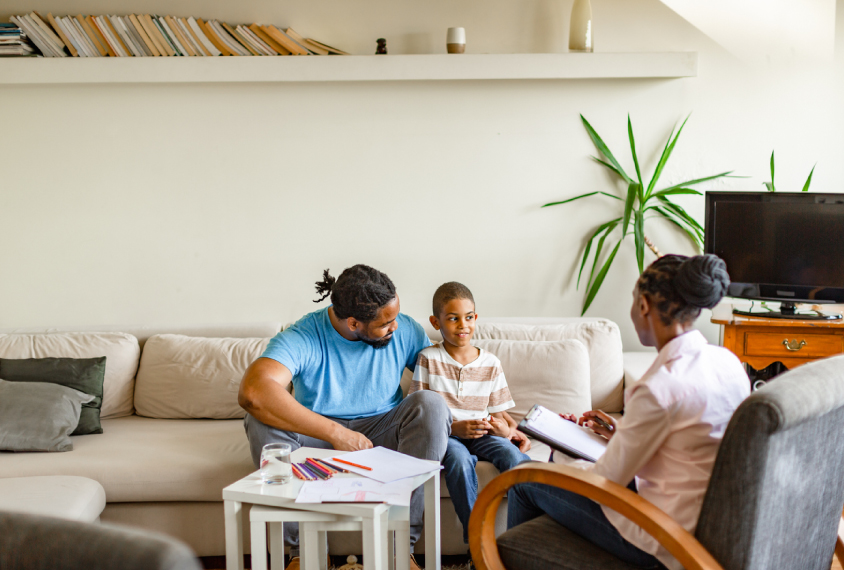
[{"x": 774, "y": 500}]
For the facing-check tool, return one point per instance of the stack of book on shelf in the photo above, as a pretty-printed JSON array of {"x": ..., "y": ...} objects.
[
  {"x": 13, "y": 42},
  {"x": 144, "y": 35}
]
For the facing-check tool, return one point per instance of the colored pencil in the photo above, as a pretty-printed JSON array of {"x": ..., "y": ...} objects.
[
  {"x": 298, "y": 473},
  {"x": 307, "y": 474},
  {"x": 330, "y": 466},
  {"x": 352, "y": 464},
  {"x": 311, "y": 463},
  {"x": 312, "y": 471}
]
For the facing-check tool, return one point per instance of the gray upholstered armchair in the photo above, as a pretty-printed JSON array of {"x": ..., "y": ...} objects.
[
  {"x": 774, "y": 500},
  {"x": 32, "y": 542}
]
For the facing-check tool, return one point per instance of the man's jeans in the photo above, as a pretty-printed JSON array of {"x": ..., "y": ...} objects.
[
  {"x": 419, "y": 426},
  {"x": 459, "y": 466},
  {"x": 580, "y": 515}
]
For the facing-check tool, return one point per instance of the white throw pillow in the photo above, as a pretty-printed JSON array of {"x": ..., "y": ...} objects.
[
  {"x": 554, "y": 374},
  {"x": 602, "y": 340},
  {"x": 193, "y": 377},
  {"x": 120, "y": 349}
]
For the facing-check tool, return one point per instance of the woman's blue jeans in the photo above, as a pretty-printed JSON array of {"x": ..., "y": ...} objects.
[
  {"x": 580, "y": 515},
  {"x": 459, "y": 462}
]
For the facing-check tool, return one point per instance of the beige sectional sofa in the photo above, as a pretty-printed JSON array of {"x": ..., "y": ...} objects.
[{"x": 173, "y": 435}]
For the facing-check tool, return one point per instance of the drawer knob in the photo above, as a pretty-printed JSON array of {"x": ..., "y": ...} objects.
[{"x": 793, "y": 345}]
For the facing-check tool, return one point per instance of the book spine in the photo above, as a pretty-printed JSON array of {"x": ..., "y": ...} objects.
[
  {"x": 98, "y": 34},
  {"x": 40, "y": 42},
  {"x": 139, "y": 27},
  {"x": 168, "y": 41},
  {"x": 124, "y": 47},
  {"x": 200, "y": 34},
  {"x": 73, "y": 36},
  {"x": 191, "y": 36},
  {"x": 277, "y": 47},
  {"x": 55, "y": 41},
  {"x": 70, "y": 47},
  {"x": 92, "y": 37},
  {"x": 175, "y": 33},
  {"x": 135, "y": 36},
  {"x": 239, "y": 39},
  {"x": 231, "y": 44},
  {"x": 212, "y": 37}
]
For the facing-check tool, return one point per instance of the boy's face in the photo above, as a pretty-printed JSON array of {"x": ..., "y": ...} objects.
[{"x": 456, "y": 322}]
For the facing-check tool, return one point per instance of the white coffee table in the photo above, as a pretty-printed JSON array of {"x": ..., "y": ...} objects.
[{"x": 374, "y": 517}]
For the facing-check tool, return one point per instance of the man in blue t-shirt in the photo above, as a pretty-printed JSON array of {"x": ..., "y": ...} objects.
[{"x": 346, "y": 362}]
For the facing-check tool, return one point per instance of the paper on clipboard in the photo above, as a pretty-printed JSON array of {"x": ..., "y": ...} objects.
[
  {"x": 563, "y": 435},
  {"x": 385, "y": 464}
]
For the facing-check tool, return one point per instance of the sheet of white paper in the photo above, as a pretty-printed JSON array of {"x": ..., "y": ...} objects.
[
  {"x": 356, "y": 490},
  {"x": 387, "y": 465},
  {"x": 567, "y": 433}
]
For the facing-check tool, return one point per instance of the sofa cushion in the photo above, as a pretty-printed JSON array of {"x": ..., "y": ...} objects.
[
  {"x": 120, "y": 349},
  {"x": 38, "y": 416},
  {"x": 73, "y": 498},
  {"x": 83, "y": 374},
  {"x": 552, "y": 373},
  {"x": 602, "y": 340},
  {"x": 193, "y": 377},
  {"x": 141, "y": 459}
]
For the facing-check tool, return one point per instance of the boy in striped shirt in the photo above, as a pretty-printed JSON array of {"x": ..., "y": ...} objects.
[{"x": 472, "y": 382}]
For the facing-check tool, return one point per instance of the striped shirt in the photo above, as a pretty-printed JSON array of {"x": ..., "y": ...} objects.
[{"x": 471, "y": 391}]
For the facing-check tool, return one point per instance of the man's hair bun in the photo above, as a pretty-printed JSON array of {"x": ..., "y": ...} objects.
[{"x": 702, "y": 280}]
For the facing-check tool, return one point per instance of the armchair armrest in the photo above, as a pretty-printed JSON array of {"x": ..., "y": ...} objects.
[{"x": 679, "y": 542}]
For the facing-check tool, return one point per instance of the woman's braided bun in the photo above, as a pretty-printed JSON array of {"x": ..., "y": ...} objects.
[{"x": 702, "y": 280}]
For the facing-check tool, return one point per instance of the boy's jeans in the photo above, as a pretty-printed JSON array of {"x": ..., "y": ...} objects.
[{"x": 459, "y": 462}]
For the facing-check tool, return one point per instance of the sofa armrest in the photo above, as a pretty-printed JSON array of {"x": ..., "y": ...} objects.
[{"x": 636, "y": 364}]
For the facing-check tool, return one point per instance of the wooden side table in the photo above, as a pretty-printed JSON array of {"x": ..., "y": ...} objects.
[{"x": 760, "y": 342}]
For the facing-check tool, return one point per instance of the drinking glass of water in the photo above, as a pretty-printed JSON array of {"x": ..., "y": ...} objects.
[{"x": 275, "y": 463}]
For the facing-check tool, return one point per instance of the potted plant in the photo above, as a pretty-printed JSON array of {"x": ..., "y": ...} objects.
[{"x": 641, "y": 202}]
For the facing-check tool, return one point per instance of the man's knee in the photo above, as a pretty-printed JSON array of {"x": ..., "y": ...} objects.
[{"x": 432, "y": 406}]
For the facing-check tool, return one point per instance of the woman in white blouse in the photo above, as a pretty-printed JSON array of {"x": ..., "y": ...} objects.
[{"x": 665, "y": 445}]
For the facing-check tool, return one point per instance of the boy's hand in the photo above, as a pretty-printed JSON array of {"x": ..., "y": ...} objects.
[
  {"x": 470, "y": 429},
  {"x": 520, "y": 439},
  {"x": 500, "y": 427}
]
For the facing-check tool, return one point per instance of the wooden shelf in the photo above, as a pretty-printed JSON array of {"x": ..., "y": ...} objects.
[{"x": 442, "y": 67}]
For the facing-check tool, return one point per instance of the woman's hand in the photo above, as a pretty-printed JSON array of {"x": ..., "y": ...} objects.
[
  {"x": 470, "y": 429},
  {"x": 601, "y": 423},
  {"x": 570, "y": 417},
  {"x": 520, "y": 439},
  {"x": 500, "y": 427}
]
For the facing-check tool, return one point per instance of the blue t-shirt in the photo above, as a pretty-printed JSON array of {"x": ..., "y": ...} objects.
[{"x": 341, "y": 378}]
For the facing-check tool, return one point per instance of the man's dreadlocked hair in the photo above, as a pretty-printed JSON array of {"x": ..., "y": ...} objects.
[
  {"x": 359, "y": 292},
  {"x": 681, "y": 286}
]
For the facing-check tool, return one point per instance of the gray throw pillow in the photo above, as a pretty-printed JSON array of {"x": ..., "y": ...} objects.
[{"x": 38, "y": 416}]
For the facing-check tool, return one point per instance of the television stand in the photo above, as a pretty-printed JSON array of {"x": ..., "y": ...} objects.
[
  {"x": 789, "y": 311},
  {"x": 760, "y": 341}
]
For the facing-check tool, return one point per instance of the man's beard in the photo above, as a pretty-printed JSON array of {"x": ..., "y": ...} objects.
[{"x": 377, "y": 343}]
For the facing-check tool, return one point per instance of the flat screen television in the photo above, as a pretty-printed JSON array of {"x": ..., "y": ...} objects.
[{"x": 786, "y": 247}]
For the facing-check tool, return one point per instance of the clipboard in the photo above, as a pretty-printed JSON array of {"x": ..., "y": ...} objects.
[{"x": 563, "y": 435}]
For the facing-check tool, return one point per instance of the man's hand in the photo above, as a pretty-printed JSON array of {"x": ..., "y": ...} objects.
[
  {"x": 500, "y": 427},
  {"x": 348, "y": 440},
  {"x": 520, "y": 439},
  {"x": 470, "y": 429}
]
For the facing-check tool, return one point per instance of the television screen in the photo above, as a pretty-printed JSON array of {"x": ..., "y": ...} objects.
[{"x": 779, "y": 246}]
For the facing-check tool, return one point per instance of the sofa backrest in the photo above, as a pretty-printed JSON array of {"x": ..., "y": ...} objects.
[
  {"x": 122, "y": 346},
  {"x": 601, "y": 337}
]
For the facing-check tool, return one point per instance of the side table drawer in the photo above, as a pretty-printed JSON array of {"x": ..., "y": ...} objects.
[{"x": 790, "y": 345}]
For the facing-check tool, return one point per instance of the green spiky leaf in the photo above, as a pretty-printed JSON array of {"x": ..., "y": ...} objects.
[
  {"x": 675, "y": 191},
  {"x": 666, "y": 154},
  {"x": 771, "y": 186},
  {"x": 633, "y": 150},
  {"x": 603, "y": 149},
  {"x": 611, "y": 225},
  {"x": 599, "y": 279},
  {"x": 578, "y": 198},
  {"x": 632, "y": 192},
  {"x": 809, "y": 180},
  {"x": 639, "y": 233}
]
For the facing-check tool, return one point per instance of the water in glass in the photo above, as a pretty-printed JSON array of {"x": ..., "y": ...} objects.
[{"x": 275, "y": 463}]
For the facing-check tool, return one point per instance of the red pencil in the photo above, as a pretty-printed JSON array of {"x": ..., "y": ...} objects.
[{"x": 352, "y": 464}]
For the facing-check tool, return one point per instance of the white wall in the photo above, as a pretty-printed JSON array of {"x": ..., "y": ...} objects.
[{"x": 214, "y": 203}]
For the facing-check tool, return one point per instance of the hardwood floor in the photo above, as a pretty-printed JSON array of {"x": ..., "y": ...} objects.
[{"x": 835, "y": 564}]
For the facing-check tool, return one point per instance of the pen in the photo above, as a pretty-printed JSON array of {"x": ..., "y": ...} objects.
[
  {"x": 352, "y": 464},
  {"x": 601, "y": 423}
]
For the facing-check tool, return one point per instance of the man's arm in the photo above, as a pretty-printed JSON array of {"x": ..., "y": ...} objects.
[{"x": 263, "y": 393}]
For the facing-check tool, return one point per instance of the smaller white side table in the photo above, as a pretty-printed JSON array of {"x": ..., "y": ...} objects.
[
  {"x": 372, "y": 518},
  {"x": 395, "y": 550}
]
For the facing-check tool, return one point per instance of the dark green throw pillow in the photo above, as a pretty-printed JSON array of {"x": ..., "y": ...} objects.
[{"x": 83, "y": 374}]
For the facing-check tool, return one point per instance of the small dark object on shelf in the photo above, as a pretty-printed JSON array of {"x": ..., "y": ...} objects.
[{"x": 382, "y": 46}]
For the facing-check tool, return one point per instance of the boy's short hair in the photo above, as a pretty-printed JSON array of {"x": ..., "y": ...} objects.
[{"x": 448, "y": 292}]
